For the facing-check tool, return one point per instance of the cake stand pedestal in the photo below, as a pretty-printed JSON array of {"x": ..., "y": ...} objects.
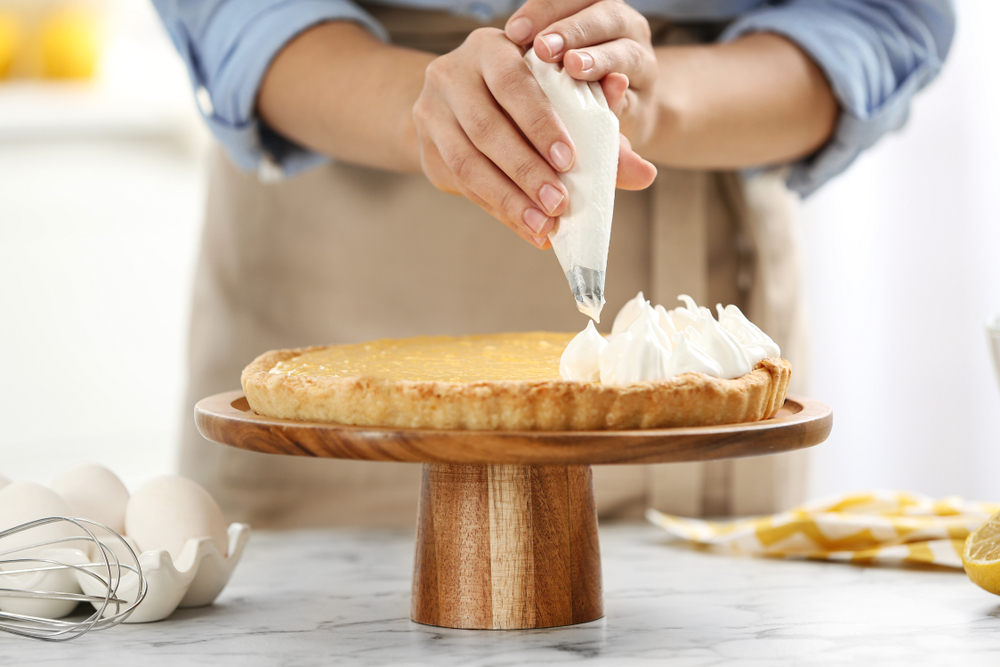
[{"x": 507, "y": 524}]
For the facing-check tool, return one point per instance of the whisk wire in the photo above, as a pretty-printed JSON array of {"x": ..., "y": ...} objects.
[{"x": 108, "y": 572}]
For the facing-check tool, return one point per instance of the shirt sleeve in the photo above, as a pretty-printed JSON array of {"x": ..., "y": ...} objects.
[
  {"x": 876, "y": 54},
  {"x": 227, "y": 46}
]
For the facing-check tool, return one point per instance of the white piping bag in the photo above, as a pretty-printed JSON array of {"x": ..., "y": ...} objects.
[{"x": 582, "y": 237}]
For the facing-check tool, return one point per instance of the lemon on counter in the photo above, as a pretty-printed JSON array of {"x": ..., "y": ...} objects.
[
  {"x": 10, "y": 40},
  {"x": 70, "y": 48},
  {"x": 982, "y": 555}
]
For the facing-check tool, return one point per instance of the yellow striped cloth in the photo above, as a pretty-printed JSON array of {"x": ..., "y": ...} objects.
[{"x": 876, "y": 526}]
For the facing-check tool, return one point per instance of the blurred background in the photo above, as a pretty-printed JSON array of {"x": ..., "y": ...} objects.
[
  {"x": 100, "y": 207},
  {"x": 101, "y": 191}
]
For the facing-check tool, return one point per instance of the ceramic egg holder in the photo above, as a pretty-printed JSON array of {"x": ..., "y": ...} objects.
[
  {"x": 507, "y": 524},
  {"x": 194, "y": 579}
]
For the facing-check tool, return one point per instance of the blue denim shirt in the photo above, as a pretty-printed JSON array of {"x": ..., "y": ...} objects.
[{"x": 876, "y": 54}]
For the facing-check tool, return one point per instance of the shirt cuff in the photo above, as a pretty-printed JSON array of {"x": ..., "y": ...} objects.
[
  {"x": 232, "y": 87},
  {"x": 862, "y": 72}
]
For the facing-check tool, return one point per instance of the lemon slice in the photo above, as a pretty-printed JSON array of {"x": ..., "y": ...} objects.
[{"x": 982, "y": 555}]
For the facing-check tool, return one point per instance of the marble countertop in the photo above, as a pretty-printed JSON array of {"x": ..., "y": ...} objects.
[{"x": 342, "y": 597}]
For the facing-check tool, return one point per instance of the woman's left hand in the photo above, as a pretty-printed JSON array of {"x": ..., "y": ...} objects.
[{"x": 597, "y": 40}]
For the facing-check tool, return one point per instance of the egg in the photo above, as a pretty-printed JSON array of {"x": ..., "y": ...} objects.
[
  {"x": 166, "y": 512},
  {"x": 95, "y": 493},
  {"x": 21, "y": 502}
]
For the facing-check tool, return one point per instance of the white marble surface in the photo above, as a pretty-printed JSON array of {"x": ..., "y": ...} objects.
[{"x": 342, "y": 598}]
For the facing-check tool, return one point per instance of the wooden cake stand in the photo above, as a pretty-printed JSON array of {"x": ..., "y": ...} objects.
[{"x": 507, "y": 525}]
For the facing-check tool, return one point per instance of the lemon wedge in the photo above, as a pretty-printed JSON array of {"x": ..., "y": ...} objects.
[{"x": 982, "y": 555}]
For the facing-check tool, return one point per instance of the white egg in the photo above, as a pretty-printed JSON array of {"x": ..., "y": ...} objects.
[
  {"x": 165, "y": 512},
  {"x": 21, "y": 502},
  {"x": 95, "y": 493}
]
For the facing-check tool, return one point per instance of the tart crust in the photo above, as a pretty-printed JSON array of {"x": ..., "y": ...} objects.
[{"x": 691, "y": 399}]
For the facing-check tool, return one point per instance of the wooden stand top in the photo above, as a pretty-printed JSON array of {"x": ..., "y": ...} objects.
[{"x": 227, "y": 419}]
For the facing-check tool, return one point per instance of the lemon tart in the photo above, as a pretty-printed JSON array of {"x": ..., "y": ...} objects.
[{"x": 492, "y": 382}]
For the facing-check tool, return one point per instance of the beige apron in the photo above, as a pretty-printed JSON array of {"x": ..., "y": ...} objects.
[{"x": 344, "y": 254}]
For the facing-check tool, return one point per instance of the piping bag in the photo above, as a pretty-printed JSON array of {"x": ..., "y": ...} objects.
[{"x": 583, "y": 234}]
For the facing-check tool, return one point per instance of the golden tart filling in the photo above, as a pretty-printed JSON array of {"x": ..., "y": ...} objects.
[{"x": 479, "y": 358}]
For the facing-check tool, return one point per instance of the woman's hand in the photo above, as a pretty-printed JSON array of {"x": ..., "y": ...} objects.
[
  {"x": 758, "y": 100},
  {"x": 338, "y": 90},
  {"x": 597, "y": 40},
  {"x": 487, "y": 131}
]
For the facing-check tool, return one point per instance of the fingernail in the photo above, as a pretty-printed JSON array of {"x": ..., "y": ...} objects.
[
  {"x": 562, "y": 156},
  {"x": 535, "y": 220},
  {"x": 586, "y": 61},
  {"x": 551, "y": 198},
  {"x": 540, "y": 240},
  {"x": 519, "y": 30},
  {"x": 554, "y": 43}
]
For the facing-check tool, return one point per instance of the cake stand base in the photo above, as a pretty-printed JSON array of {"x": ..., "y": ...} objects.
[
  {"x": 507, "y": 529},
  {"x": 503, "y": 547}
]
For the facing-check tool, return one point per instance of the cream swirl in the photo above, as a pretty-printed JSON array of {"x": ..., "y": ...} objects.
[
  {"x": 735, "y": 322},
  {"x": 688, "y": 358},
  {"x": 628, "y": 314},
  {"x": 725, "y": 348},
  {"x": 665, "y": 321},
  {"x": 580, "y": 361},
  {"x": 648, "y": 344},
  {"x": 639, "y": 354}
]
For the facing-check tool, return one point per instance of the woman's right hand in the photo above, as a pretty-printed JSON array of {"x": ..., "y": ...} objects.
[{"x": 487, "y": 131}]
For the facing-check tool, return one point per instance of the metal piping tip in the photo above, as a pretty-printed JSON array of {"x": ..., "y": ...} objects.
[{"x": 588, "y": 290}]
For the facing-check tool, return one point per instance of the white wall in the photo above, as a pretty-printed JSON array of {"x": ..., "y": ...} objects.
[
  {"x": 98, "y": 234},
  {"x": 903, "y": 262},
  {"x": 100, "y": 207}
]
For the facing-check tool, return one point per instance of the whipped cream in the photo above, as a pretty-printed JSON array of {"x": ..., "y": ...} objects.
[
  {"x": 689, "y": 358},
  {"x": 628, "y": 314},
  {"x": 580, "y": 359},
  {"x": 639, "y": 354},
  {"x": 725, "y": 348},
  {"x": 735, "y": 322},
  {"x": 650, "y": 343}
]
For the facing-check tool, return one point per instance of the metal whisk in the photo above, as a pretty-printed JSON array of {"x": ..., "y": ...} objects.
[{"x": 104, "y": 579}]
